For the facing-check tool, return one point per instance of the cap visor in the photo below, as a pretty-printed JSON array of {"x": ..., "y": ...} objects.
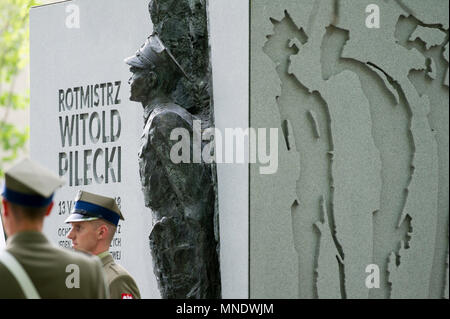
[
  {"x": 75, "y": 217},
  {"x": 134, "y": 61}
]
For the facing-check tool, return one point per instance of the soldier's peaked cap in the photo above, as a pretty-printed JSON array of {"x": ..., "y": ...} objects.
[
  {"x": 30, "y": 184},
  {"x": 89, "y": 206},
  {"x": 153, "y": 53}
]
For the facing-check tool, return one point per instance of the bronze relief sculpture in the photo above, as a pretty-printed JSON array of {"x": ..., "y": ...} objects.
[{"x": 171, "y": 78}]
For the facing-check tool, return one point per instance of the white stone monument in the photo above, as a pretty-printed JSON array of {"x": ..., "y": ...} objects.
[{"x": 84, "y": 127}]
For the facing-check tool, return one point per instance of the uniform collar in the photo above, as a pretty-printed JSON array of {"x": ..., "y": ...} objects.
[
  {"x": 105, "y": 257},
  {"x": 159, "y": 101},
  {"x": 26, "y": 237}
]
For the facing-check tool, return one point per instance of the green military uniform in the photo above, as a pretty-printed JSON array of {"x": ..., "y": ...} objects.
[
  {"x": 49, "y": 271},
  {"x": 89, "y": 207},
  {"x": 121, "y": 284},
  {"x": 46, "y": 267}
]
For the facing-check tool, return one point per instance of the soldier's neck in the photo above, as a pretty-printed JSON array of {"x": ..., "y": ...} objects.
[
  {"x": 159, "y": 99},
  {"x": 154, "y": 102},
  {"x": 26, "y": 226},
  {"x": 101, "y": 247}
]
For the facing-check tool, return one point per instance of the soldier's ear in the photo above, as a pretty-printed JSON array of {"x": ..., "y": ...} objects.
[
  {"x": 49, "y": 209},
  {"x": 102, "y": 231},
  {"x": 5, "y": 211},
  {"x": 151, "y": 79}
]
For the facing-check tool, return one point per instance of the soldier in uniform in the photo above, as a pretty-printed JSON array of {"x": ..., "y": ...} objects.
[
  {"x": 31, "y": 267},
  {"x": 180, "y": 195},
  {"x": 94, "y": 222}
]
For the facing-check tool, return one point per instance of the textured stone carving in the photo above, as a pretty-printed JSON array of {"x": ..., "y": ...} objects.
[
  {"x": 171, "y": 78},
  {"x": 374, "y": 184}
]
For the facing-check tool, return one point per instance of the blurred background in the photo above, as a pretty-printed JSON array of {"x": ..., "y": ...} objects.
[{"x": 14, "y": 80}]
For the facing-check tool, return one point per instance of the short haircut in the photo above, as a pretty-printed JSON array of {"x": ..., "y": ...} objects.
[
  {"x": 27, "y": 212},
  {"x": 111, "y": 228}
]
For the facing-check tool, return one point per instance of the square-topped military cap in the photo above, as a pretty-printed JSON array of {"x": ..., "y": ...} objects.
[
  {"x": 30, "y": 184},
  {"x": 89, "y": 206},
  {"x": 154, "y": 53}
]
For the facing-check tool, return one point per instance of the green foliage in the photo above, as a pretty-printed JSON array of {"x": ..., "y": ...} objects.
[
  {"x": 14, "y": 56},
  {"x": 12, "y": 139}
]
